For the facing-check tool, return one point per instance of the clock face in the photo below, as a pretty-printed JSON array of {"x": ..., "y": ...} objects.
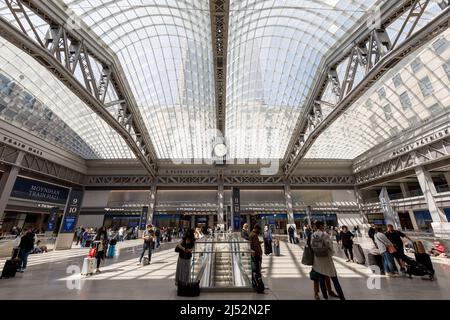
[{"x": 220, "y": 150}]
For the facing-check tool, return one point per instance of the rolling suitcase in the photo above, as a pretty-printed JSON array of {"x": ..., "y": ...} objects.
[
  {"x": 359, "y": 256},
  {"x": 276, "y": 249},
  {"x": 88, "y": 266},
  {"x": 425, "y": 260},
  {"x": 111, "y": 251},
  {"x": 376, "y": 260},
  {"x": 191, "y": 289},
  {"x": 10, "y": 269}
]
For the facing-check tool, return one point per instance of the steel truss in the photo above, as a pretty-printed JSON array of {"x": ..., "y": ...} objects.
[
  {"x": 33, "y": 163},
  {"x": 436, "y": 154},
  {"x": 220, "y": 12},
  {"x": 67, "y": 51},
  {"x": 372, "y": 55}
]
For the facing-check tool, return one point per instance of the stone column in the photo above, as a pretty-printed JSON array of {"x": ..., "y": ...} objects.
[
  {"x": 429, "y": 191},
  {"x": 289, "y": 205},
  {"x": 359, "y": 203},
  {"x": 405, "y": 194},
  {"x": 7, "y": 184}
]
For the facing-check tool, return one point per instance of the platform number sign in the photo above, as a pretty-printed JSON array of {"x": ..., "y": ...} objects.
[{"x": 72, "y": 212}]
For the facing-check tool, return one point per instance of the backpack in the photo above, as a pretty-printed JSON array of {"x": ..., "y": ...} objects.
[{"x": 319, "y": 246}]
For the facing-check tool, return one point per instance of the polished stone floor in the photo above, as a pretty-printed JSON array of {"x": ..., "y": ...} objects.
[{"x": 54, "y": 276}]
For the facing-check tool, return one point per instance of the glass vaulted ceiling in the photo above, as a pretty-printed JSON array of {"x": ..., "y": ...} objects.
[
  {"x": 33, "y": 99},
  {"x": 275, "y": 48},
  {"x": 165, "y": 48}
]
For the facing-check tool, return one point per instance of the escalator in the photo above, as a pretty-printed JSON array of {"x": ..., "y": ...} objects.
[{"x": 222, "y": 264}]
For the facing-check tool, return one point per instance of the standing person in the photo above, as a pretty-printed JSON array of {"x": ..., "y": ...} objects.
[
  {"x": 244, "y": 232},
  {"x": 347, "y": 243},
  {"x": 395, "y": 236},
  {"x": 383, "y": 244},
  {"x": 322, "y": 247},
  {"x": 121, "y": 232},
  {"x": 158, "y": 237},
  {"x": 291, "y": 231},
  {"x": 78, "y": 234},
  {"x": 267, "y": 240},
  {"x": 25, "y": 247},
  {"x": 16, "y": 246},
  {"x": 184, "y": 250},
  {"x": 149, "y": 236},
  {"x": 255, "y": 247},
  {"x": 100, "y": 243},
  {"x": 371, "y": 232}
]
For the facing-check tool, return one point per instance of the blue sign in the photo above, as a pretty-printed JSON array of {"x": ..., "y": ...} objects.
[
  {"x": 39, "y": 191},
  {"x": 52, "y": 219},
  {"x": 72, "y": 212},
  {"x": 144, "y": 217}
]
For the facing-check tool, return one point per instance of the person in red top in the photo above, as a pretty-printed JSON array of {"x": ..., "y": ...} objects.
[{"x": 438, "y": 249}]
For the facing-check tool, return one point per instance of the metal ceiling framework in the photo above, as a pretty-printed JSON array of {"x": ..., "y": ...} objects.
[
  {"x": 64, "y": 50},
  {"x": 371, "y": 51},
  {"x": 220, "y": 12}
]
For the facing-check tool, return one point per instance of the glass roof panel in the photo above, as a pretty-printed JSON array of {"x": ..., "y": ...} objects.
[
  {"x": 414, "y": 92},
  {"x": 275, "y": 48},
  {"x": 33, "y": 99},
  {"x": 165, "y": 49}
]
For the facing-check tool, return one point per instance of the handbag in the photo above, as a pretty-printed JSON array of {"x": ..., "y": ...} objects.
[
  {"x": 308, "y": 256},
  {"x": 92, "y": 252},
  {"x": 391, "y": 249},
  {"x": 314, "y": 276}
]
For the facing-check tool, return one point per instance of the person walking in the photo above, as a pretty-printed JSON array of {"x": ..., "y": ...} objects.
[
  {"x": 291, "y": 232},
  {"x": 16, "y": 246},
  {"x": 184, "y": 250},
  {"x": 267, "y": 240},
  {"x": 396, "y": 238},
  {"x": 158, "y": 237},
  {"x": 100, "y": 243},
  {"x": 323, "y": 264},
  {"x": 148, "y": 236},
  {"x": 347, "y": 243},
  {"x": 386, "y": 247},
  {"x": 26, "y": 246}
]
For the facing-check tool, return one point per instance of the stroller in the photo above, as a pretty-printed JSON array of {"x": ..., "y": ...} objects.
[{"x": 422, "y": 265}]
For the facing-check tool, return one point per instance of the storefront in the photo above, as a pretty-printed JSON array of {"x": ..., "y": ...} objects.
[
  {"x": 424, "y": 220},
  {"x": 301, "y": 219},
  {"x": 115, "y": 220}
]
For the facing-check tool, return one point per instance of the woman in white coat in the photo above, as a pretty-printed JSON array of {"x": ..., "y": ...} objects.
[{"x": 322, "y": 246}]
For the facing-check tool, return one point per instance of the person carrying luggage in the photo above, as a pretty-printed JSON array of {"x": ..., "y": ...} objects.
[
  {"x": 395, "y": 236},
  {"x": 347, "y": 243},
  {"x": 386, "y": 248},
  {"x": 26, "y": 246},
  {"x": 100, "y": 243},
  {"x": 149, "y": 238}
]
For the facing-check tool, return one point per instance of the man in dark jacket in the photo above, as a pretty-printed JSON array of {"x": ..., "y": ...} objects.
[
  {"x": 372, "y": 232},
  {"x": 25, "y": 247}
]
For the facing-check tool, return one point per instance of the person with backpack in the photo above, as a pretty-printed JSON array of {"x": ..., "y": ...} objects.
[
  {"x": 149, "y": 236},
  {"x": 323, "y": 265},
  {"x": 347, "y": 243},
  {"x": 100, "y": 244},
  {"x": 386, "y": 248},
  {"x": 26, "y": 246},
  {"x": 291, "y": 231}
]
